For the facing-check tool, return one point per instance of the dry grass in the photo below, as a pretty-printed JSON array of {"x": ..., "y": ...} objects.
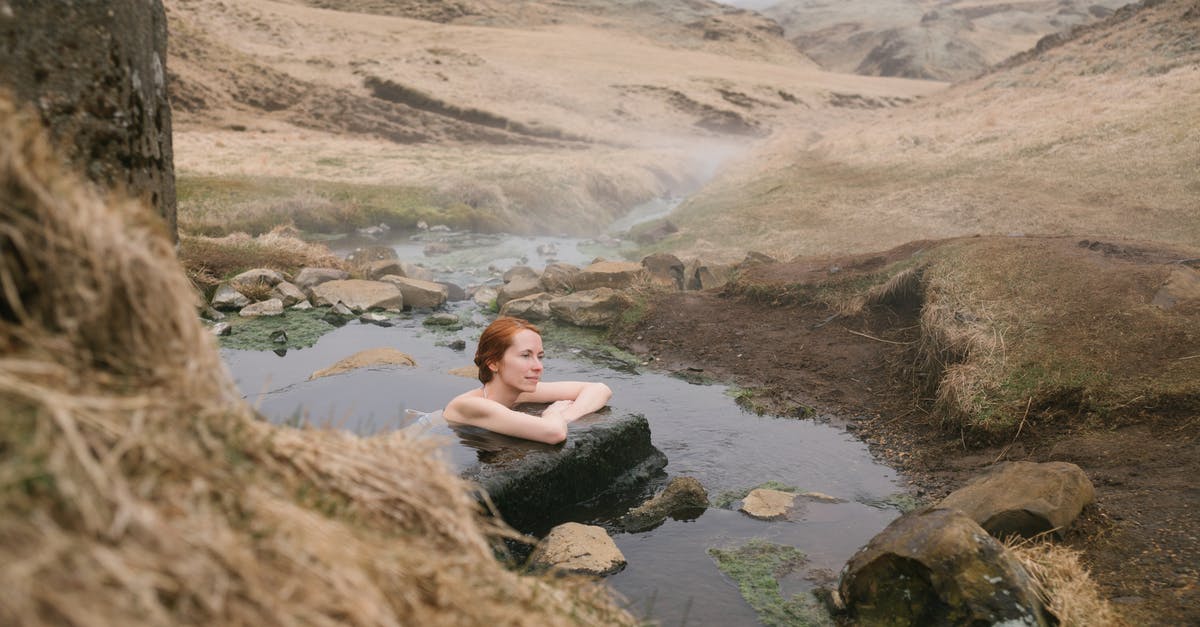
[
  {"x": 1065, "y": 586},
  {"x": 209, "y": 260},
  {"x": 136, "y": 487}
]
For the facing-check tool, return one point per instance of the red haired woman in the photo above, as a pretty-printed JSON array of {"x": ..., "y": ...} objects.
[{"x": 509, "y": 359}]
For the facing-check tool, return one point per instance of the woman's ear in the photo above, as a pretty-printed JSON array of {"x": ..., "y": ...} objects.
[{"x": 493, "y": 366}]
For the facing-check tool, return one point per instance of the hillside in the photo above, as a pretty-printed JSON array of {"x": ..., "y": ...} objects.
[
  {"x": 950, "y": 40},
  {"x": 1095, "y": 136},
  {"x": 544, "y": 115}
]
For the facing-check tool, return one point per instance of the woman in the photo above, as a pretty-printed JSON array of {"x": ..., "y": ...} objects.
[{"x": 509, "y": 359}]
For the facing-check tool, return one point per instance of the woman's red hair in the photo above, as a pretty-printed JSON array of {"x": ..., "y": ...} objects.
[{"x": 496, "y": 339}]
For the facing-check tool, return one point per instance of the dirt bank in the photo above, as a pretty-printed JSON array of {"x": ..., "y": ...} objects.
[{"x": 778, "y": 332}]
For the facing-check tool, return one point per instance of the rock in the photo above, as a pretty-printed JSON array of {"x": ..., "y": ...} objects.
[
  {"x": 222, "y": 329},
  {"x": 303, "y": 305},
  {"x": 521, "y": 272},
  {"x": 656, "y": 233},
  {"x": 937, "y": 567},
  {"x": 375, "y": 318},
  {"x": 441, "y": 320},
  {"x": 371, "y": 357},
  {"x": 338, "y": 315},
  {"x": 518, "y": 287},
  {"x": 416, "y": 271},
  {"x": 593, "y": 308},
  {"x": 454, "y": 293},
  {"x": 288, "y": 293},
  {"x": 208, "y": 312},
  {"x": 664, "y": 269},
  {"x": 820, "y": 497},
  {"x": 279, "y": 336},
  {"x": 547, "y": 250},
  {"x": 457, "y": 345},
  {"x": 485, "y": 296},
  {"x": 228, "y": 298},
  {"x": 681, "y": 494},
  {"x": 1024, "y": 498},
  {"x": 272, "y": 307},
  {"x": 559, "y": 278},
  {"x": 358, "y": 295},
  {"x": 470, "y": 372},
  {"x": 767, "y": 504},
  {"x": 378, "y": 269},
  {"x": 252, "y": 279},
  {"x": 702, "y": 275},
  {"x": 531, "y": 483},
  {"x": 611, "y": 274},
  {"x": 433, "y": 249},
  {"x": 366, "y": 254},
  {"x": 95, "y": 73},
  {"x": 756, "y": 258},
  {"x": 418, "y": 294},
  {"x": 1182, "y": 286},
  {"x": 533, "y": 307},
  {"x": 577, "y": 548},
  {"x": 308, "y": 278}
]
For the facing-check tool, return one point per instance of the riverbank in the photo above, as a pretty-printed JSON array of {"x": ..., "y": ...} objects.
[{"x": 792, "y": 336}]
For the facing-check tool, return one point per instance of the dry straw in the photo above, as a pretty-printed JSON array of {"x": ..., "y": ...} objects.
[
  {"x": 1065, "y": 585},
  {"x": 137, "y": 488}
]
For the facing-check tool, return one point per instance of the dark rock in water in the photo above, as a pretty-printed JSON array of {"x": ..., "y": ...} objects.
[
  {"x": 458, "y": 345},
  {"x": 279, "y": 336},
  {"x": 529, "y": 482},
  {"x": 938, "y": 567},
  {"x": 682, "y": 495}
]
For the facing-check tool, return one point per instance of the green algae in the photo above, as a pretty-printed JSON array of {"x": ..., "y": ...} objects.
[
  {"x": 303, "y": 329},
  {"x": 727, "y": 498},
  {"x": 757, "y": 567}
]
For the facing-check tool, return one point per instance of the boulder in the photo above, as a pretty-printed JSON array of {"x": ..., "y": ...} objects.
[
  {"x": 433, "y": 249},
  {"x": 518, "y": 287},
  {"x": 682, "y": 494},
  {"x": 95, "y": 73},
  {"x": 372, "y": 357},
  {"x": 559, "y": 278},
  {"x": 454, "y": 293},
  {"x": 1024, "y": 498},
  {"x": 1182, "y": 286},
  {"x": 222, "y": 329},
  {"x": 252, "y": 279},
  {"x": 470, "y": 372},
  {"x": 535, "y": 485},
  {"x": 767, "y": 504},
  {"x": 376, "y": 270},
  {"x": 308, "y": 278},
  {"x": 592, "y": 308},
  {"x": 303, "y": 305},
  {"x": 523, "y": 272},
  {"x": 288, "y": 293},
  {"x": 485, "y": 296},
  {"x": 271, "y": 307},
  {"x": 358, "y": 295},
  {"x": 228, "y": 298},
  {"x": 937, "y": 567},
  {"x": 415, "y": 271},
  {"x": 612, "y": 274},
  {"x": 532, "y": 307},
  {"x": 577, "y": 548},
  {"x": 442, "y": 320},
  {"x": 703, "y": 275},
  {"x": 664, "y": 269},
  {"x": 418, "y": 294}
]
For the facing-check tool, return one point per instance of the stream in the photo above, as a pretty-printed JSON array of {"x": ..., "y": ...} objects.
[{"x": 704, "y": 433}]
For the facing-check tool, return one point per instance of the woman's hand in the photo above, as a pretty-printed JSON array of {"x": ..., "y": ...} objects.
[{"x": 559, "y": 410}]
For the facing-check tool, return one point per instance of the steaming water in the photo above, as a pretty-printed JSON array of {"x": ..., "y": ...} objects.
[{"x": 704, "y": 433}]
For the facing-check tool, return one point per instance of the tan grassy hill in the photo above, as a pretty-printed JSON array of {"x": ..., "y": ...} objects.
[
  {"x": 1099, "y": 137},
  {"x": 558, "y": 124},
  {"x": 949, "y": 40},
  {"x": 136, "y": 488}
]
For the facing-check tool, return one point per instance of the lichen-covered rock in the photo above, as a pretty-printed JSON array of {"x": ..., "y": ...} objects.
[
  {"x": 577, "y": 548},
  {"x": 1024, "y": 498},
  {"x": 485, "y": 296},
  {"x": 358, "y": 295},
  {"x": 270, "y": 307},
  {"x": 681, "y": 494},
  {"x": 418, "y": 294},
  {"x": 532, "y": 307},
  {"x": 372, "y": 357},
  {"x": 592, "y": 308},
  {"x": 251, "y": 279},
  {"x": 938, "y": 567},
  {"x": 96, "y": 74},
  {"x": 610, "y": 274},
  {"x": 767, "y": 504}
]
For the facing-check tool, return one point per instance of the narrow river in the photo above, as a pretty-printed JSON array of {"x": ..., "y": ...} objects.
[{"x": 670, "y": 576}]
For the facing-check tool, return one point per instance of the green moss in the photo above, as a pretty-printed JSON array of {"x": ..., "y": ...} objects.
[
  {"x": 303, "y": 329},
  {"x": 590, "y": 343},
  {"x": 727, "y": 498},
  {"x": 756, "y": 567}
]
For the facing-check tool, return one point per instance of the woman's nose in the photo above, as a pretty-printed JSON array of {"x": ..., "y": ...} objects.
[{"x": 537, "y": 363}]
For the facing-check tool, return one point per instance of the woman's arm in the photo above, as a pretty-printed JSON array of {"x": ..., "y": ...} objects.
[
  {"x": 550, "y": 428},
  {"x": 584, "y": 398}
]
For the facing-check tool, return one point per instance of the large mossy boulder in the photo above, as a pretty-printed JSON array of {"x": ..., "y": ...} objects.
[
  {"x": 529, "y": 483},
  {"x": 95, "y": 72},
  {"x": 682, "y": 496},
  {"x": 1024, "y": 498},
  {"x": 938, "y": 567}
]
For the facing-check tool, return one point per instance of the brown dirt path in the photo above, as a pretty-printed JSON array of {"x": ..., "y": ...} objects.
[{"x": 1141, "y": 541}]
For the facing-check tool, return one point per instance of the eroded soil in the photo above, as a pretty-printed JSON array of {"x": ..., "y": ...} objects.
[{"x": 1141, "y": 540}]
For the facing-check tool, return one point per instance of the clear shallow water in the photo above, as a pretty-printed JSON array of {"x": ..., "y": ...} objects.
[{"x": 703, "y": 432}]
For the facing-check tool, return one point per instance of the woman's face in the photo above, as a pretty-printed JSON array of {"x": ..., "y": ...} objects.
[{"x": 521, "y": 366}]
